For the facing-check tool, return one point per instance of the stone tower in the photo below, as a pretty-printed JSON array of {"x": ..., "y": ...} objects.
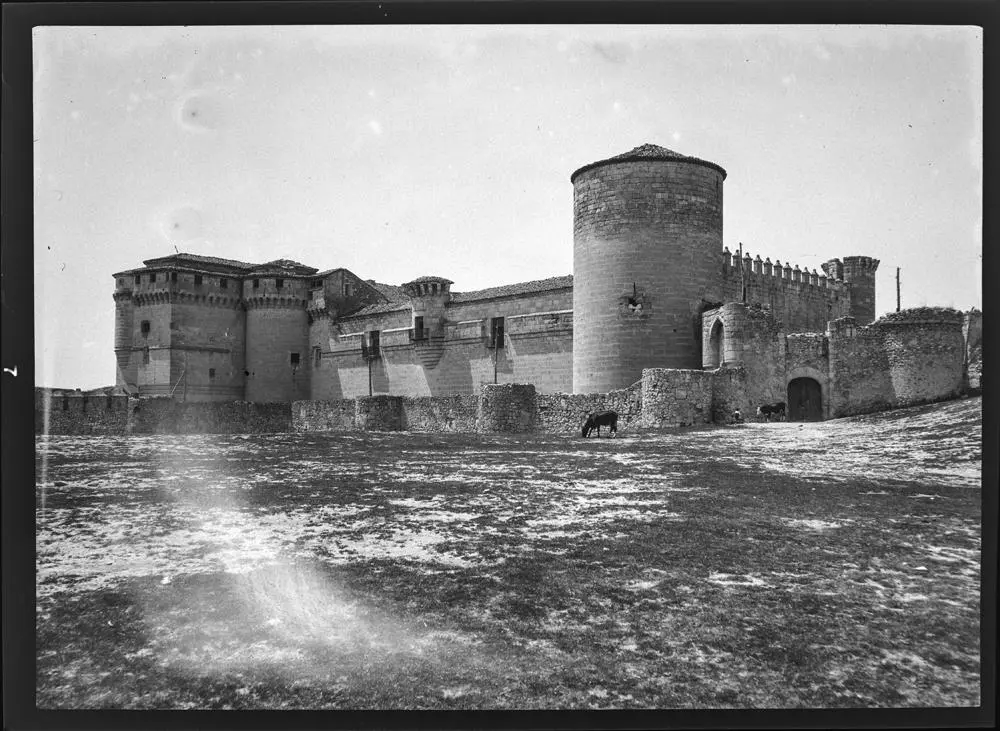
[
  {"x": 276, "y": 295},
  {"x": 858, "y": 273},
  {"x": 647, "y": 247}
]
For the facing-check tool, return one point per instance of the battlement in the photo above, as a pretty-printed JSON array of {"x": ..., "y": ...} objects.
[
  {"x": 782, "y": 273},
  {"x": 428, "y": 287},
  {"x": 859, "y": 265}
]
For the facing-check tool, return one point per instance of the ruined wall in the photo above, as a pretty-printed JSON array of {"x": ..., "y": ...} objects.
[
  {"x": 672, "y": 398},
  {"x": 507, "y": 407}
]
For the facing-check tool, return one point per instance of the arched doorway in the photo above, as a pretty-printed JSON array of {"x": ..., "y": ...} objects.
[
  {"x": 716, "y": 352},
  {"x": 805, "y": 400}
]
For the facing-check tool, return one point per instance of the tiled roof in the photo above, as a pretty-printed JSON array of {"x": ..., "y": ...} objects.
[
  {"x": 379, "y": 309},
  {"x": 284, "y": 266},
  {"x": 648, "y": 152},
  {"x": 391, "y": 292},
  {"x": 198, "y": 258},
  {"x": 511, "y": 290}
]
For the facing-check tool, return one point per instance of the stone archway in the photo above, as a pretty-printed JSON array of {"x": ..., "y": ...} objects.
[
  {"x": 804, "y": 400},
  {"x": 715, "y": 356}
]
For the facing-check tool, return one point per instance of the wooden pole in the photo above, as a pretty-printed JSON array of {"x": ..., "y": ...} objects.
[
  {"x": 370, "y": 374},
  {"x": 897, "y": 289}
]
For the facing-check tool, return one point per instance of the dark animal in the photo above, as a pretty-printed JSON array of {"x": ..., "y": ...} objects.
[
  {"x": 766, "y": 411},
  {"x": 596, "y": 421},
  {"x": 737, "y": 416}
]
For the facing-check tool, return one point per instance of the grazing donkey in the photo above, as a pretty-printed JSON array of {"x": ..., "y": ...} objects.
[{"x": 602, "y": 418}]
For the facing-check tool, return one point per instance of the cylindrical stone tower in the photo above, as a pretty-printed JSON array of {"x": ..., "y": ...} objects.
[
  {"x": 277, "y": 332},
  {"x": 647, "y": 260},
  {"x": 126, "y": 373}
]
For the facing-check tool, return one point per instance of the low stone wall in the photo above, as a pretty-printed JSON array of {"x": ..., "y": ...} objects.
[
  {"x": 59, "y": 412},
  {"x": 507, "y": 407},
  {"x": 378, "y": 413},
  {"x": 166, "y": 416},
  {"x": 440, "y": 413},
  {"x": 337, "y": 415},
  {"x": 674, "y": 397},
  {"x": 563, "y": 413}
]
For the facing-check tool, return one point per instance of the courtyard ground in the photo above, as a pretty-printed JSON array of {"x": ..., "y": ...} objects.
[{"x": 831, "y": 564}]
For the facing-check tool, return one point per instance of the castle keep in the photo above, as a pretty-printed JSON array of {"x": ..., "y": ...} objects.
[{"x": 652, "y": 288}]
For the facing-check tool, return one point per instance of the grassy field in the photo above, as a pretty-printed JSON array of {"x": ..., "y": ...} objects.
[{"x": 830, "y": 564}]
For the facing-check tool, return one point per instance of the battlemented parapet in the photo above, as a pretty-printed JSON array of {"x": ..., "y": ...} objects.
[{"x": 802, "y": 301}]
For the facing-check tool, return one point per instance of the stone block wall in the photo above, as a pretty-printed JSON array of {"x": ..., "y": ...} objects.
[
  {"x": 507, "y": 407},
  {"x": 672, "y": 398},
  {"x": 972, "y": 329},
  {"x": 925, "y": 350},
  {"x": 166, "y": 416}
]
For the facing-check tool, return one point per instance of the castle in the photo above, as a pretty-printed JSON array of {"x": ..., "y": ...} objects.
[{"x": 652, "y": 288}]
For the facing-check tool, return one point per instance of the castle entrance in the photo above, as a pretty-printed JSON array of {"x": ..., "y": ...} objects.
[{"x": 805, "y": 400}]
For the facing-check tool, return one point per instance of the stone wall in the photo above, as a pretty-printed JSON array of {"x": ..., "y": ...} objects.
[
  {"x": 562, "y": 413},
  {"x": 378, "y": 413},
  {"x": 674, "y": 397},
  {"x": 336, "y": 415},
  {"x": 58, "y": 412},
  {"x": 972, "y": 330},
  {"x": 507, "y": 407},
  {"x": 166, "y": 416},
  {"x": 729, "y": 393},
  {"x": 441, "y": 413}
]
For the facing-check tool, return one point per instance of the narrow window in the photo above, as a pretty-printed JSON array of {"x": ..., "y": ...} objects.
[
  {"x": 121, "y": 282},
  {"x": 418, "y": 328},
  {"x": 138, "y": 279},
  {"x": 496, "y": 332},
  {"x": 197, "y": 280},
  {"x": 223, "y": 283},
  {"x": 211, "y": 373},
  {"x": 173, "y": 276},
  {"x": 152, "y": 277},
  {"x": 65, "y": 402},
  {"x": 295, "y": 359},
  {"x": 279, "y": 283},
  {"x": 317, "y": 356},
  {"x": 256, "y": 283},
  {"x": 370, "y": 345},
  {"x": 144, "y": 327},
  {"x": 172, "y": 327}
]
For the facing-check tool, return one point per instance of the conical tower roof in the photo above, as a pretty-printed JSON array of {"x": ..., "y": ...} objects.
[{"x": 649, "y": 152}]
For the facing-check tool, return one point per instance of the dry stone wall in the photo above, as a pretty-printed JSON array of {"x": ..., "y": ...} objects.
[
  {"x": 673, "y": 397},
  {"x": 507, "y": 407},
  {"x": 378, "y": 413},
  {"x": 562, "y": 413}
]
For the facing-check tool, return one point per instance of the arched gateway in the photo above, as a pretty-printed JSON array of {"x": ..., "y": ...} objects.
[{"x": 805, "y": 400}]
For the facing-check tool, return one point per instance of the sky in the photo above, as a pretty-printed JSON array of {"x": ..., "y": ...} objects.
[{"x": 403, "y": 151}]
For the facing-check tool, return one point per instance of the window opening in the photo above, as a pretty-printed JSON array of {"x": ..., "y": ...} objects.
[
  {"x": 152, "y": 278},
  {"x": 317, "y": 356},
  {"x": 173, "y": 276},
  {"x": 211, "y": 373},
  {"x": 138, "y": 279},
  {"x": 370, "y": 345},
  {"x": 294, "y": 359},
  {"x": 197, "y": 280},
  {"x": 144, "y": 327},
  {"x": 496, "y": 332},
  {"x": 145, "y": 356},
  {"x": 223, "y": 283},
  {"x": 279, "y": 283},
  {"x": 418, "y": 328},
  {"x": 256, "y": 283}
]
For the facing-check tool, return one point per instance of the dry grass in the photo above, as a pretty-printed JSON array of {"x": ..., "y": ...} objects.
[{"x": 770, "y": 565}]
